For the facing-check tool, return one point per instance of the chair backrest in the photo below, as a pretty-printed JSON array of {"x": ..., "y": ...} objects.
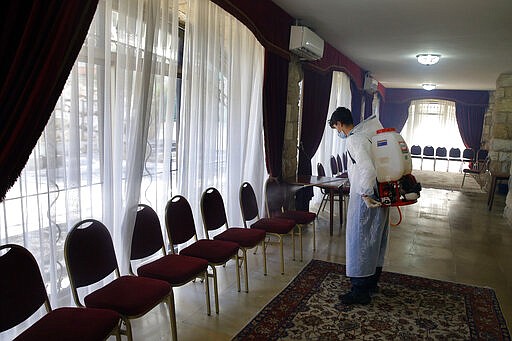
[
  {"x": 213, "y": 210},
  {"x": 147, "y": 234},
  {"x": 468, "y": 155},
  {"x": 248, "y": 203},
  {"x": 441, "y": 152},
  {"x": 334, "y": 166},
  {"x": 415, "y": 150},
  {"x": 339, "y": 163},
  {"x": 89, "y": 253},
  {"x": 481, "y": 154},
  {"x": 22, "y": 290},
  {"x": 274, "y": 196},
  {"x": 320, "y": 169},
  {"x": 454, "y": 153},
  {"x": 345, "y": 161},
  {"x": 428, "y": 151},
  {"x": 179, "y": 221}
]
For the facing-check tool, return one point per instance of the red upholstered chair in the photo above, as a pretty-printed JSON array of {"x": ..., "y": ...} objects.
[
  {"x": 214, "y": 216},
  {"x": 277, "y": 227},
  {"x": 181, "y": 229},
  {"x": 175, "y": 269},
  {"x": 90, "y": 258},
  {"x": 275, "y": 197},
  {"x": 22, "y": 293}
]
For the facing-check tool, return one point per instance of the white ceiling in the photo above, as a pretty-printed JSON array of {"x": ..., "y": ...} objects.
[{"x": 474, "y": 38}]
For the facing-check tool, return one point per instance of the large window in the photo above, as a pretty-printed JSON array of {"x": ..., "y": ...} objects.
[
  {"x": 114, "y": 137},
  {"x": 109, "y": 143},
  {"x": 432, "y": 122}
]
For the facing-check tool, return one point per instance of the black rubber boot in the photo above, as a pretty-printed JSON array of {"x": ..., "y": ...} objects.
[
  {"x": 359, "y": 293},
  {"x": 374, "y": 280}
]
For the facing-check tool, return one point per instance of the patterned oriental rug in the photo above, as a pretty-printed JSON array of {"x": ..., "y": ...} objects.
[{"x": 406, "y": 308}]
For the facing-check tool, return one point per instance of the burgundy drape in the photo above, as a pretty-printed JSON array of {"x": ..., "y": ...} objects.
[
  {"x": 470, "y": 119},
  {"x": 356, "y": 103},
  {"x": 275, "y": 88},
  {"x": 316, "y": 94},
  {"x": 39, "y": 41},
  {"x": 394, "y": 115}
]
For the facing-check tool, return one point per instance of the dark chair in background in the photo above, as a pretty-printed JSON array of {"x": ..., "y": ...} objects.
[
  {"x": 181, "y": 229},
  {"x": 454, "y": 155},
  {"x": 334, "y": 166},
  {"x": 22, "y": 293},
  {"x": 339, "y": 162},
  {"x": 416, "y": 154},
  {"x": 214, "y": 216},
  {"x": 277, "y": 227},
  {"x": 90, "y": 259},
  {"x": 482, "y": 154},
  {"x": 441, "y": 155},
  {"x": 428, "y": 154},
  {"x": 325, "y": 196},
  {"x": 468, "y": 156},
  {"x": 476, "y": 168},
  {"x": 176, "y": 270}
]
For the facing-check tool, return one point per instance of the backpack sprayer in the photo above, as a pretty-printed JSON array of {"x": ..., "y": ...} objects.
[{"x": 393, "y": 163}]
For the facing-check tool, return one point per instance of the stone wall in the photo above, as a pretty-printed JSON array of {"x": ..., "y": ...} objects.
[
  {"x": 486, "y": 131},
  {"x": 291, "y": 133},
  {"x": 500, "y": 133}
]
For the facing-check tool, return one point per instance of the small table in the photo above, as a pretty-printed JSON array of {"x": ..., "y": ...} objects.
[
  {"x": 495, "y": 177},
  {"x": 332, "y": 185}
]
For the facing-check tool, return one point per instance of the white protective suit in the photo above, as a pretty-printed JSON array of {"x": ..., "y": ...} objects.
[{"x": 367, "y": 228}]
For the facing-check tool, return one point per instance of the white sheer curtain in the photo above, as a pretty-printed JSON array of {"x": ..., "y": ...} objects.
[
  {"x": 432, "y": 122},
  {"x": 331, "y": 144},
  {"x": 220, "y": 137},
  {"x": 90, "y": 158},
  {"x": 376, "y": 104}
]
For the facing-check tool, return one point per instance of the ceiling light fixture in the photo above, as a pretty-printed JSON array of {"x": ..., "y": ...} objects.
[
  {"x": 428, "y": 58},
  {"x": 428, "y": 86}
]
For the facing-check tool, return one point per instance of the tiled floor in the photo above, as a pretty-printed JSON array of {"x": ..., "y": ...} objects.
[{"x": 447, "y": 235}]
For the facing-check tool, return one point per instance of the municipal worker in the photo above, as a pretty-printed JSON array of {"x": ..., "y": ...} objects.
[{"x": 367, "y": 221}]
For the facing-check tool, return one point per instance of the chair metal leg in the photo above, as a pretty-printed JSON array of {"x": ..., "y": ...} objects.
[
  {"x": 281, "y": 252},
  {"x": 237, "y": 260},
  {"x": 300, "y": 240},
  {"x": 293, "y": 243},
  {"x": 207, "y": 293},
  {"x": 246, "y": 275},
  {"x": 215, "y": 287},
  {"x": 464, "y": 178},
  {"x": 314, "y": 236},
  {"x": 128, "y": 331},
  {"x": 264, "y": 257},
  {"x": 172, "y": 316},
  {"x": 117, "y": 332},
  {"x": 323, "y": 201}
]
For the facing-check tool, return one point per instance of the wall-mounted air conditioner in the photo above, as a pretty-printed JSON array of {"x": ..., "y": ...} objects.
[
  {"x": 305, "y": 43},
  {"x": 370, "y": 84}
]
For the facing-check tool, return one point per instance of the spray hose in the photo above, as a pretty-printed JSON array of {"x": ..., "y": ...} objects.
[{"x": 399, "y": 217}]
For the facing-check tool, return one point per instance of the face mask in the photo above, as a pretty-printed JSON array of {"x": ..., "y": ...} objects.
[{"x": 342, "y": 135}]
